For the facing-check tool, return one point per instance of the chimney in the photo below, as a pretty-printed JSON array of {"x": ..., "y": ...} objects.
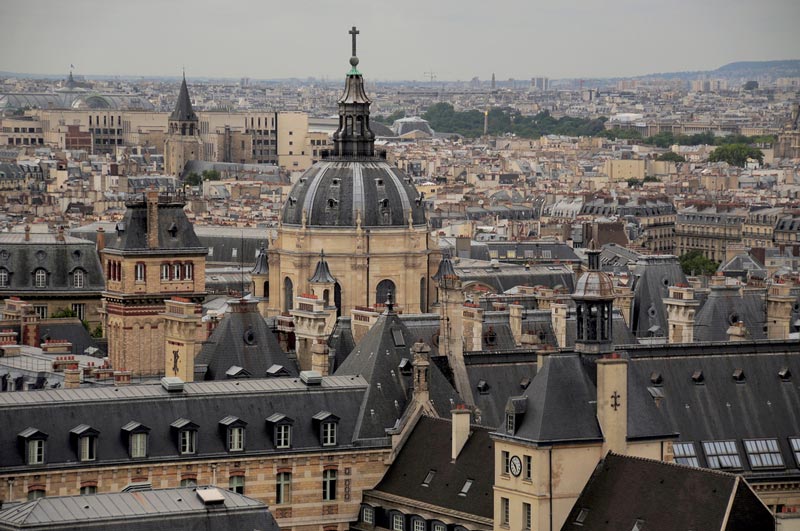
[
  {"x": 779, "y": 311},
  {"x": 558, "y": 313},
  {"x": 612, "y": 402},
  {"x": 421, "y": 368},
  {"x": 681, "y": 309},
  {"x": 27, "y": 233},
  {"x": 101, "y": 239},
  {"x": 152, "y": 219},
  {"x": 72, "y": 378},
  {"x": 60, "y": 233},
  {"x": 319, "y": 357},
  {"x": 515, "y": 321},
  {"x": 122, "y": 377},
  {"x": 460, "y": 422}
]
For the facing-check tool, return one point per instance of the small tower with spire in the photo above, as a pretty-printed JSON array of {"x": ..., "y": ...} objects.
[
  {"x": 354, "y": 138},
  {"x": 183, "y": 141},
  {"x": 594, "y": 299}
]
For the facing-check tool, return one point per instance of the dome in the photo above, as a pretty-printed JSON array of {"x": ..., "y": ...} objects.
[
  {"x": 594, "y": 285},
  {"x": 334, "y": 193}
]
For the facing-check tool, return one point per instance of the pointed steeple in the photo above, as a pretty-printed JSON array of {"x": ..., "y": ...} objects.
[
  {"x": 322, "y": 275},
  {"x": 183, "y": 108},
  {"x": 354, "y": 138}
]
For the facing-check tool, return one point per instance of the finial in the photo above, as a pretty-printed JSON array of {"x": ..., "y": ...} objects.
[
  {"x": 389, "y": 302},
  {"x": 322, "y": 255},
  {"x": 183, "y": 68},
  {"x": 354, "y": 58}
]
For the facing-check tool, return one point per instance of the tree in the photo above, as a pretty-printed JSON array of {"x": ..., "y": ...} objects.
[
  {"x": 695, "y": 263},
  {"x": 211, "y": 175},
  {"x": 671, "y": 156},
  {"x": 193, "y": 179},
  {"x": 620, "y": 134},
  {"x": 633, "y": 182},
  {"x": 736, "y": 154},
  {"x": 651, "y": 179},
  {"x": 396, "y": 115},
  {"x": 751, "y": 85},
  {"x": 62, "y": 313}
]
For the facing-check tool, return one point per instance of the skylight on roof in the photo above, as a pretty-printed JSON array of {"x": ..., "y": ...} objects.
[
  {"x": 465, "y": 488},
  {"x": 397, "y": 336},
  {"x": 685, "y": 454},
  {"x": 582, "y": 516},
  {"x": 428, "y": 478},
  {"x": 763, "y": 453},
  {"x": 722, "y": 454},
  {"x": 794, "y": 442}
]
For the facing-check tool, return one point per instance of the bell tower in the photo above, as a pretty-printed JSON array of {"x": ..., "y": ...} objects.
[
  {"x": 594, "y": 299},
  {"x": 183, "y": 137}
]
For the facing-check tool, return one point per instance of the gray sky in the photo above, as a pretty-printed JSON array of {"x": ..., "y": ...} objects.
[{"x": 457, "y": 39}]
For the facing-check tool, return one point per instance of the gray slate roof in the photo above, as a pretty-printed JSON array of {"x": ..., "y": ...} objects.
[
  {"x": 131, "y": 233},
  {"x": 727, "y": 305},
  {"x": 183, "y": 107},
  {"x": 652, "y": 277}
]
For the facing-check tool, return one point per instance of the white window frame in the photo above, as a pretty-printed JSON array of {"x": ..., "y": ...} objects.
[
  {"x": 419, "y": 524},
  {"x": 78, "y": 279},
  {"x": 505, "y": 512},
  {"x": 40, "y": 278},
  {"x": 4, "y": 277},
  {"x": 236, "y": 482},
  {"x": 329, "y": 479},
  {"x": 368, "y": 515},
  {"x": 164, "y": 271},
  {"x": 88, "y": 448},
  {"x": 236, "y": 439},
  {"x": 176, "y": 271},
  {"x": 188, "y": 271},
  {"x": 397, "y": 522},
  {"x": 88, "y": 490},
  {"x": 80, "y": 310},
  {"x": 506, "y": 458},
  {"x": 439, "y": 527},
  {"x": 140, "y": 272},
  {"x": 283, "y": 488},
  {"x": 328, "y": 434},
  {"x": 138, "y": 445},
  {"x": 188, "y": 440},
  {"x": 283, "y": 436},
  {"x": 35, "y": 452},
  {"x": 527, "y": 516}
]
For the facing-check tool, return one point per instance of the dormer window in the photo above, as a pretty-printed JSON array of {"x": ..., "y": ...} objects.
[
  {"x": 173, "y": 230},
  {"x": 40, "y": 278},
  {"x": 234, "y": 429},
  {"x": 281, "y": 430},
  {"x": 510, "y": 423},
  {"x": 85, "y": 438},
  {"x": 187, "y": 436},
  {"x": 4, "y": 278},
  {"x": 327, "y": 423},
  {"x": 136, "y": 435},
  {"x": 32, "y": 442},
  {"x": 78, "y": 278}
]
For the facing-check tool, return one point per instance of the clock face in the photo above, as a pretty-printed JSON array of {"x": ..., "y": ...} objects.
[{"x": 515, "y": 465}]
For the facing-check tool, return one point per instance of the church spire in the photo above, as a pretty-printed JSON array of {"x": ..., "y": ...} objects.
[
  {"x": 183, "y": 107},
  {"x": 354, "y": 138}
]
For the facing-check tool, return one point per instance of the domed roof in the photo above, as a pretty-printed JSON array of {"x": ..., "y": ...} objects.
[
  {"x": 334, "y": 193},
  {"x": 594, "y": 284}
]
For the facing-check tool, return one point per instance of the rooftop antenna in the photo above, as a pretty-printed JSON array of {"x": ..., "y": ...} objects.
[{"x": 241, "y": 262}]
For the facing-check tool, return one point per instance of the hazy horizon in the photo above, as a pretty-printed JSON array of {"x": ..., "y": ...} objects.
[{"x": 455, "y": 39}]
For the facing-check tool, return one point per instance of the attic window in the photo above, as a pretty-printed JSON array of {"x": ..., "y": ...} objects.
[
  {"x": 397, "y": 337},
  {"x": 173, "y": 230},
  {"x": 490, "y": 337},
  {"x": 379, "y": 182},
  {"x": 685, "y": 454},
  {"x": 738, "y": 376},
  {"x": 405, "y": 366},
  {"x": 581, "y": 518},
  {"x": 697, "y": 377},
  {"x": 655, "y": 378},
  {"x": 656, "y": 393},
  {"x": 722, "y": 454},
  {"x": 333, "y": 203},
  {"x": 465, "y": 488},
  {"x": 638, "y": 525},
  {"x": 764, "y": 453},
  {"x": 120, "y": 227},
  {"x": 384, "y": 203},
  {"x": 249, "y": 337},
  {"x": 785, "y": 374},
  {"x": 428, "y": 478},
  {"x": 525, "y": 382},
  {"x": 483, "y": 387},
  {"x": 335, "y": 182},
  {"x": 733, "y": 318}
]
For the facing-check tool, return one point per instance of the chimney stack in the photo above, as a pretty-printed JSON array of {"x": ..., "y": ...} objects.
[
  {"x": 72, "y": 378},
  {"x": 60, "y": 233},
  {"x": 612, "y": 402},
  {"x": 152, "y": 218},
  {"x": 27, "y": 233},
  {"x": 460, "y": 422},
  {"x": 101, "y": 239}
]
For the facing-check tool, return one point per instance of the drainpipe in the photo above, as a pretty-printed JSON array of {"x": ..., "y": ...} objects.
[{"x": 550, "y": 484}]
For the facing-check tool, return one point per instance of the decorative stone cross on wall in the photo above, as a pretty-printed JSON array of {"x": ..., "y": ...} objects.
[{"x": 615, "y": 401}]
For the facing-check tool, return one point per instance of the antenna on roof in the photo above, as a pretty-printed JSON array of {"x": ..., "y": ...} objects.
[{"x": 241, "y": 263}]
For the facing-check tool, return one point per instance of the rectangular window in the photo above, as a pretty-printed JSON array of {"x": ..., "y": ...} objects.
[
  {"x": 527, "y": 515},
  {"x": 236, "y": 484},
  {"x": 419, "y": 525},
  {"x": 527, "y": 467},
  {"x": 176, "y": 271},
  {"x": 510, "y": 423},
  {"x": 368, "y": 515},
  {"x": 187, "y": 441},
  {"x": 506, "y": 466},
  {"x": 763, "y": 453},
  {"x": 465, "y": 488},
  {"x": 88, "y": 446},
  {"x": 236, "y": 439},
  {"x": 685, "y": 454},
  {"x": 35, "y": 494},
  {"x": 329, "y": 434},
  {"x": 439, "y": 527},
  {"x": 397, "y": 522},
  {"x": 189, "y": 482},
  {"x": 283, "y": 488},
  {"x": 722, "y": 454},
  {"x": 40, "y": 311},
  {"x": 188, "y": 271},
  {"x": 138, "y": 445},
  {"x": 36, "y": 452},
  {"x": 283, "y": 436},
  {"x": 234, "y": 252},
  {"x": 164, "y": 271},
  {"x": 88, "y": 490},
  {"x": 140, "y": 272},
  {"x": 794, "y": 442},
  {"x": 80, "y": 311},
  {"x": 329, "y": 485},
  {"x": 504, "y": 512}
]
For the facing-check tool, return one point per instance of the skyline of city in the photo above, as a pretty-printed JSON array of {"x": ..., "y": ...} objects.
[{"x": 254, "y": 40}]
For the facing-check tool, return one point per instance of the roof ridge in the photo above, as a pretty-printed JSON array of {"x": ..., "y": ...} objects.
[{"x": 674, "y": 464}]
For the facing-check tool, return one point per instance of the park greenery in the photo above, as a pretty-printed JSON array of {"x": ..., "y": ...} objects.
[
  {"x": 667, "y": 139},
  {"x": 442, "y": 117},
  {"x": 736, "y": 154},
  {"x": 193, "y": 179},
  {"x": 671, "y": 156},
  {"x": 389, "y": 120},
  {"x": 695, "y": 263}
]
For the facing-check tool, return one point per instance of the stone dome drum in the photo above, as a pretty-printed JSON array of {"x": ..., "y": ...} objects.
[{"x": 347, "y": 193}]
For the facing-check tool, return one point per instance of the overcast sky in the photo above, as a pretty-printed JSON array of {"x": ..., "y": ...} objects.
[{"x": 402, "y": 39}]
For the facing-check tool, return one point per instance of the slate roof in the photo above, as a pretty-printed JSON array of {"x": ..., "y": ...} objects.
[
  {"x": 506, "y": 276},
  {"x": 183, "y": 107},
  {"x": 495, "y": 378},
  {"x": 652, "y": 276},
  {"x": 243, "y": 339},
  {"x": 332, "y": 194},
  {"x": 162, "y": 509},
  {"x": 701, "y": 498},
  {"x": 429, "y": 448},
  {"x": 727, "y": 305},
  {"x": 131, "y": 232},
  {"x": 534, "y": 251},
  {"x": 60, "y": 259},
  {"x": 108, "y": 409},
  {"x": 322, "y": 274},
  {"x": 377, "y": 359},
  {"x": 760, "y": 405},
  {"x": 262, "y": 263}
]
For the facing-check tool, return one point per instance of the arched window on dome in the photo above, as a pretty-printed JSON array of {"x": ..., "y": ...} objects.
[
  {"x": 382, "y": 291},
  {"x": 288, "y": 294}
]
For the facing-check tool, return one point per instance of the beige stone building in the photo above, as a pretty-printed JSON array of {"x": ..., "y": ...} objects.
[{"x": 709, "y": 230}]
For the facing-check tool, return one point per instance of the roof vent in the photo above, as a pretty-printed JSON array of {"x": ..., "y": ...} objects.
[
  {"x": 656, "y": 378},
  {"x": 405, "y": 366},
  {"x": 210, "y": 496},
  {"x": 483, "y": 387},
  {"x": 172, "y": 384},
  {"x": 525, "y": 382},
  {"x": 785, "y": 374},
  {"x": 738, "y": 376},
  {"x": 697, "y": 377},
  {"x": 311, "y": 377}
]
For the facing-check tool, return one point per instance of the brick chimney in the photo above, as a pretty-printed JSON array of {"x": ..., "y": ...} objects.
[
  {"x": 60, "y": 233},
  {"x": 122, "y": 377},
  {"x": 612, "y": 402},
  {"x": 460, "y": 422},
  {"x": 152, "y": 219},
  {"x": 319, "y": 357},
  {"x": 27, "y": 233},
  {"x": 101, "y": 239},
  {"x": 72, "y": 378}
]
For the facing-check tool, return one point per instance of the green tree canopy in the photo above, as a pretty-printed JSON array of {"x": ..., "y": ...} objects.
[
  {"x": 695, "y": 263},
  {"x": 736, "y": 154},
  {"x": 396, "y": 115},
  {"x": 211, "y": 175},
  {"x": 671, "y": 156},
  {"x": 193, "y": 179}
]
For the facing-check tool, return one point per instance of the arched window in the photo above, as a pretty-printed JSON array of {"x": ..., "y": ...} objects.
[
  {"x": 40, "y": 278},
  {"x": 382, "y": 291},
  {"x": 3, "y": 278},
  {"x": 326, "y": 297},
  {"x": 78, "y": 278},
  {"x": 288, "y": 294}
]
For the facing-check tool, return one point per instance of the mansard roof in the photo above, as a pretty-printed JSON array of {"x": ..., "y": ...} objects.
[{"x": 175, "y": 231}]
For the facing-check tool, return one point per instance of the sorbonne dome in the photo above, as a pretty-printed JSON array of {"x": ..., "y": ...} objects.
[{"x": 363, "y": 212}]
